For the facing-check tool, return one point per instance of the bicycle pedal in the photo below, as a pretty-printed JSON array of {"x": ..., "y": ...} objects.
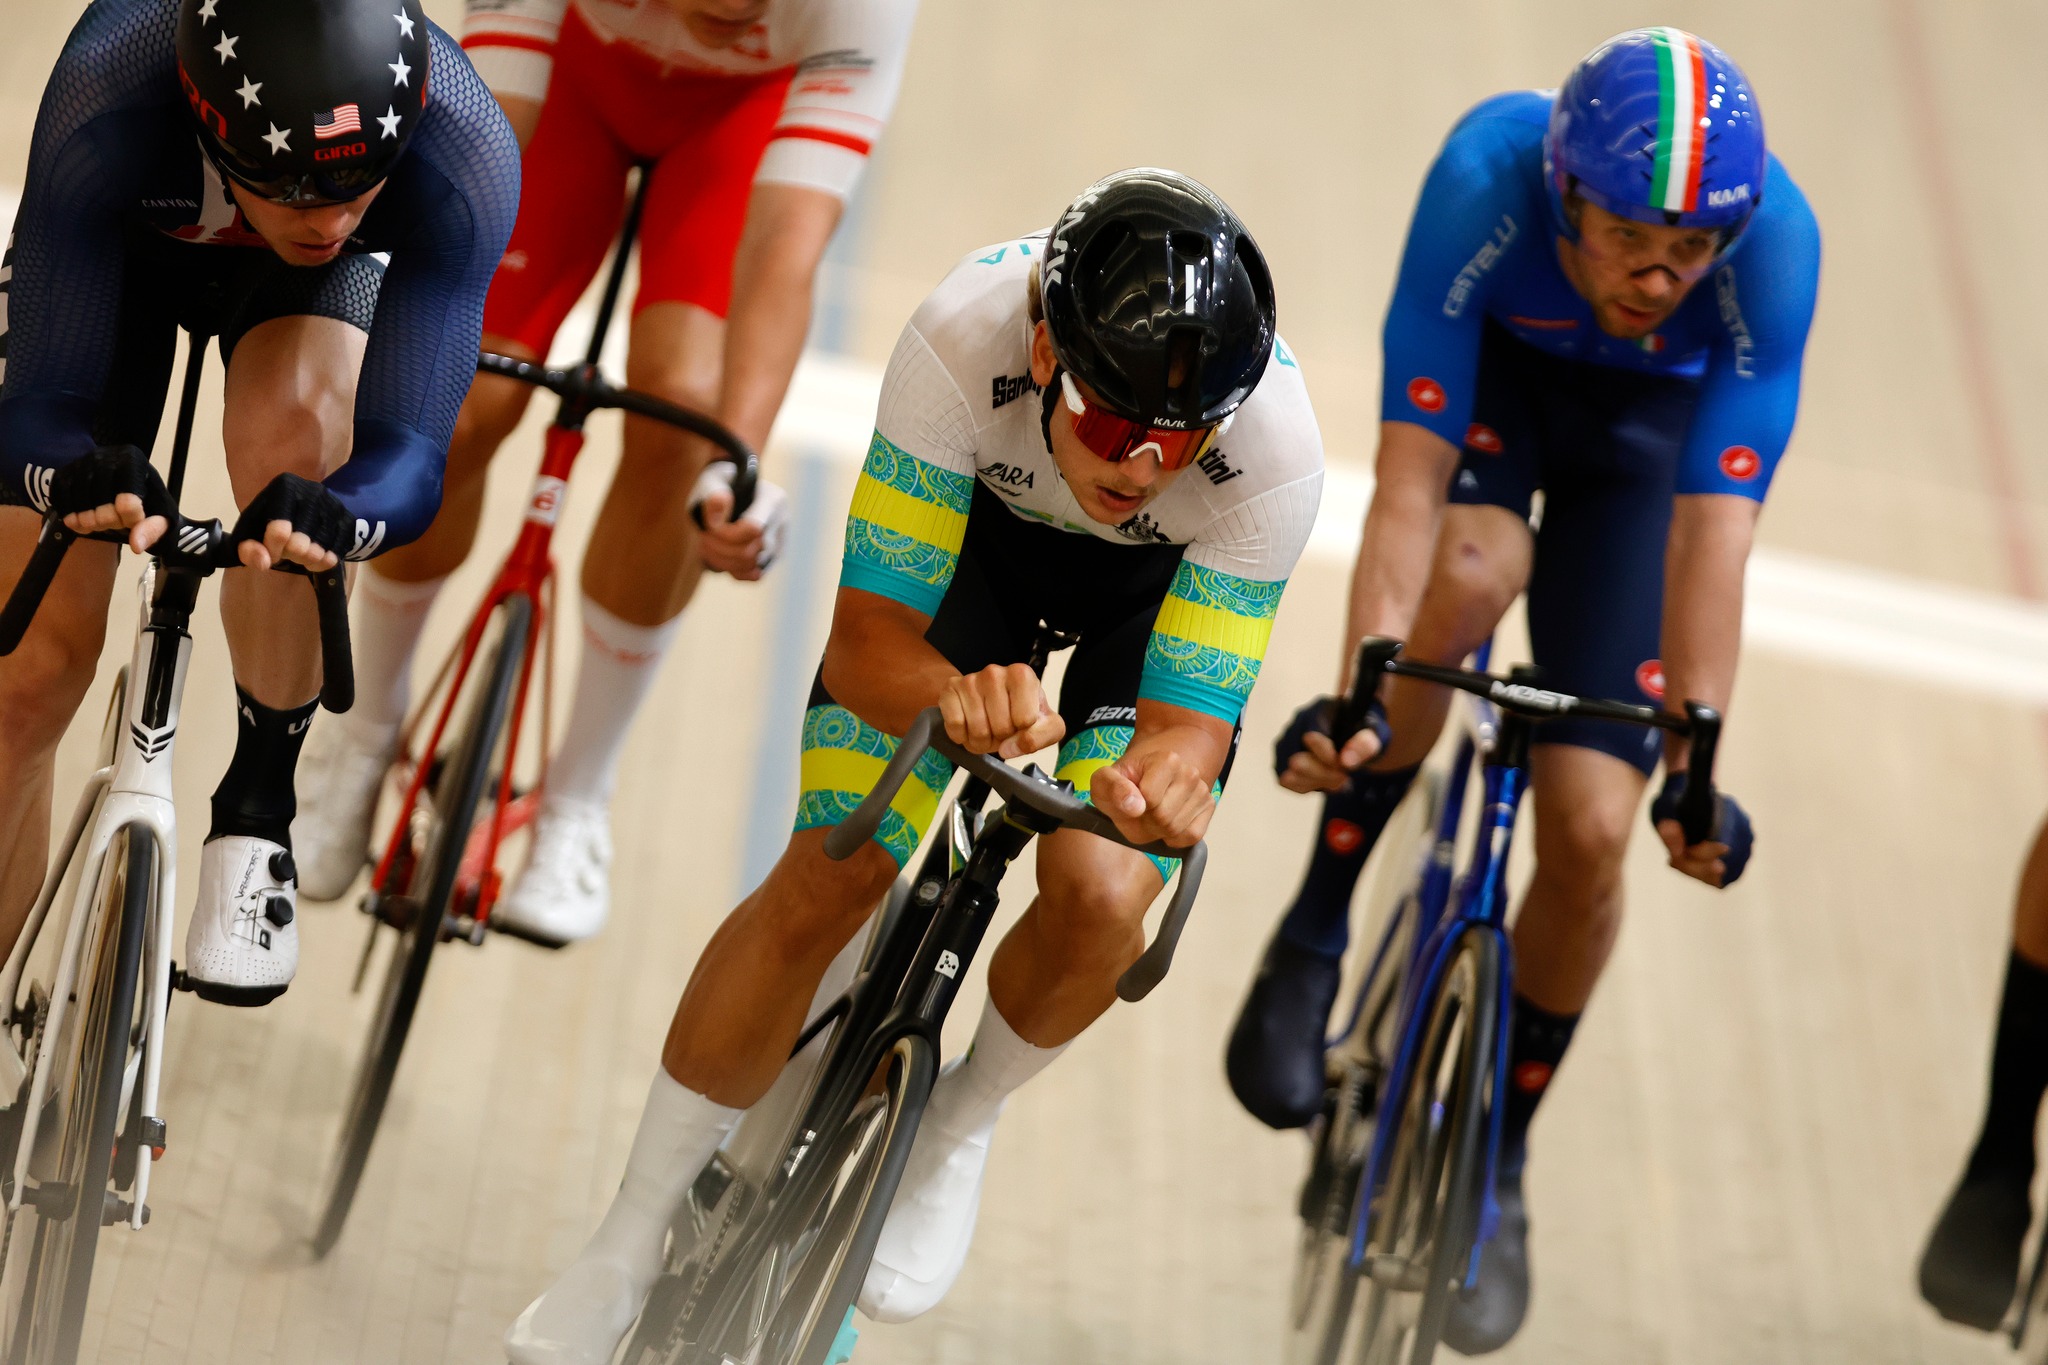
[
  {"x": 118, "y": 1210},
  {"x": 179, "y": 980}
]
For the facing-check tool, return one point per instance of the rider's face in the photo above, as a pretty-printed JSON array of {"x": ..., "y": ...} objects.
[
  {"x": 304, "y": 236},
  {"x": 719, "y": 23},
  {"x": 1109, "y": 493},
  {"x": 1633, "y": 274}
]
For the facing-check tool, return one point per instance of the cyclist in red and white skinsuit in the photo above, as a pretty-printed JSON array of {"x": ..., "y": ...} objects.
[{"x": 758, "y": 116}]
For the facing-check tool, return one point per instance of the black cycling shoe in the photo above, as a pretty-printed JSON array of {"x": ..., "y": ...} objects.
[
  {"x": 1972, "y": 1263},
  {"x": 1275, "y": 1057},
  {"x": 1487, "y": 1316}
]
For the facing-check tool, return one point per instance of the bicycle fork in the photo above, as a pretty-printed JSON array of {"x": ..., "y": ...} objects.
[{"x": 133, "y": 792}]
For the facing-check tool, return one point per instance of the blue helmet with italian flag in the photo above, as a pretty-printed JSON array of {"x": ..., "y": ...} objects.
[{"x": 1659, "y": 126}]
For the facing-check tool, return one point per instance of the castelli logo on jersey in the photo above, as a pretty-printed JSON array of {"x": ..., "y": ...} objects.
[
  {"x": 1342, "y": 836},
  {"x": 1426, "y": 394},
  {"x": 1531, "y": 1077},
  {"x": 1650, "y": 677},
  {"x": 1740, "y": 462},
  {"x": 1484, "y": 439}
]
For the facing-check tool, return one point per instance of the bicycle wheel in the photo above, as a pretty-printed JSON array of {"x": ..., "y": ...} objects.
[
  {"x": 779, "y": 1288},
  {"x": 65, "y": 1204},
  {"x": 1319, "y": 1307},
  {"x": 1426, "y": 1217},
  {"x": 458, "y": 791},
  {"x": 2029, "y": 1330}
]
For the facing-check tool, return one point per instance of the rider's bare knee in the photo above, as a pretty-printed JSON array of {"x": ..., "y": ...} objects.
[
  {"x": 818, "y": 903},
  {"x": 488, "y": 416},
  {"x": 45, "y": 679},
  {"x": 1091, "y": 910},
  {"x": 1582, "y": 843}
]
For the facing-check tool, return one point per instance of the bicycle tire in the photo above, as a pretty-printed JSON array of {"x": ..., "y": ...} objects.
[
  {"x": 2029, "y": 1330},
  {"x": 1426, "y": 1219},
  {"x": 1323, "y": 1288},
  {"x": 459, "y": 789},
  {"x": 48, "y": 1326},
  {"x": 796, "y": 1316}
]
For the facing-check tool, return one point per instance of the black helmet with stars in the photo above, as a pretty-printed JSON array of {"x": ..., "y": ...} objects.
[{"x": 304, "y": 102}]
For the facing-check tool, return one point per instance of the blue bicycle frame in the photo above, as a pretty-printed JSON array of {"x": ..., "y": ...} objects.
[{"x": 1445, "y": 907}]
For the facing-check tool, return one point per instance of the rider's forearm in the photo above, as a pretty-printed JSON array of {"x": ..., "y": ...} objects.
[
  {"x": 787, "y": 230},
  {"x": 878, "y": 664},
  {"x": 1711, "y": 534},
  {"x": 1414, "y": 471},
  {"x": 1200, "y": 739}
]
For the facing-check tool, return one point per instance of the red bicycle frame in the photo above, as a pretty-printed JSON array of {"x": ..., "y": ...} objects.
[{"x": 529, "y": 572}]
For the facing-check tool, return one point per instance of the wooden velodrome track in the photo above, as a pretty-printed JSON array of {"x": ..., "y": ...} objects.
[{"x": 1774, "y": 1086}]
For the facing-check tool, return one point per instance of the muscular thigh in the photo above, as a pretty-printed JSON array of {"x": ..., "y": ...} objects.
[
  {"x": 294, "y": 346},
  {"x": 1596, "y": 593}
]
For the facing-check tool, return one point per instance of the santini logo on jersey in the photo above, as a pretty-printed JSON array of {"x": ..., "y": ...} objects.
[
  {"x": 1011, "y": 389},
  {"x": 1219, "y": 473},
  {"x": 1722, "y": 198}
]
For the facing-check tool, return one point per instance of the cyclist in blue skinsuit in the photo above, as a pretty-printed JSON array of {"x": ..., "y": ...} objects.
[
  {"x": 230, "y": 166},
  {"x": 1605, "y": 296}
]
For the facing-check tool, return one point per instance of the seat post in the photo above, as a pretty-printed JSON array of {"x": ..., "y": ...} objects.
[{"x": 616, "y": 279}]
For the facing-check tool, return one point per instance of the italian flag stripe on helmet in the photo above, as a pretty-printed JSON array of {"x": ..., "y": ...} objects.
[{"x": 1681, "y": 120}]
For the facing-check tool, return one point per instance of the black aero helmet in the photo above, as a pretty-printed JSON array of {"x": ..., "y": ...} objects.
[
  {"x": 1158, "y": 299},
  {"x": 304, "y": 101}
]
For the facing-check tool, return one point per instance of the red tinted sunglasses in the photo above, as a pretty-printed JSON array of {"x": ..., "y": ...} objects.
[{"x": 1117, "y": 439}]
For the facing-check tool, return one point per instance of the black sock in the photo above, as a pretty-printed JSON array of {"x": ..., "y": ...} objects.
[
  {"x": 1319, "y": 921},
  {"x": 1537, "y": 1040},
  {"x": 255, "y": 796},
  {"x": 2019, "y": 1073}
]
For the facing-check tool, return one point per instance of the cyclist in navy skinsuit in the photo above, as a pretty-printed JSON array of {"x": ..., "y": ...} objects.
[
  {"x": 1605, "y": 296},
  {"x": 230, "y": 166}
]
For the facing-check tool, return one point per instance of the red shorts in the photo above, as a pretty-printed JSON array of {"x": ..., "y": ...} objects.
[{"x": 608, "y": 107}]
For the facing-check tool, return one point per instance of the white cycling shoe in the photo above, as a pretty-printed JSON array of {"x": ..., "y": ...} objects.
[
  {"x": 581, "y": 1319},
  {"x": 924, "y": 1242},
  {"x": 339, "y": 777},
  {"x": 564, "y": 893},
  {"x": 242, "y": 945}
]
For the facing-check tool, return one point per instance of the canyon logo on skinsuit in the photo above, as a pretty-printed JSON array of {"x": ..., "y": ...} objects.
[
  {"x": 1426, "y": 393},
  {"x": 1740, "y": 462}
]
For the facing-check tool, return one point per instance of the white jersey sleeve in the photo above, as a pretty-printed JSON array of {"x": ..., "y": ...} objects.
[
  {"x": 511, "y": 43},
  {"x": 841, "y": 96},
  {"x": 909, "y": 514}
]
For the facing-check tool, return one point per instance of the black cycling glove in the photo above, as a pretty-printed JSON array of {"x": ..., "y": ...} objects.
[
  {"x": 1316, "y": 717},
  {"x": 97, "y": 479},
  {"x": 1731, "y": 825},
  {"x": 307, "y": 505}
]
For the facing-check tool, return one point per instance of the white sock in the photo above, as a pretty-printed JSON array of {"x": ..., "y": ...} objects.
[
  {"x": 969, "y": 1097},
  {"x": 598, "y": 1294},
  {"x": 620, "y": 661},
  {"x": 387, "y": 618}
]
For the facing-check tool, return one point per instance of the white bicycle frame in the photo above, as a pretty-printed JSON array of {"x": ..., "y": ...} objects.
[{"x": 132, "y": 788}]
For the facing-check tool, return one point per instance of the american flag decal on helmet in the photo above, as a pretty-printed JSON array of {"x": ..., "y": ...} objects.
[{"x": 335, "y": 122}]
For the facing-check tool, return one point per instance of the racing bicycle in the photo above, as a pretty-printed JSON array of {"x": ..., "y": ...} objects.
[
  {"x": 769, "y": 1254},
  {"x": 85, "y": 991},
  {"x": 436, "y": 878},
  {"x": 1398, "y": 1199}
]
